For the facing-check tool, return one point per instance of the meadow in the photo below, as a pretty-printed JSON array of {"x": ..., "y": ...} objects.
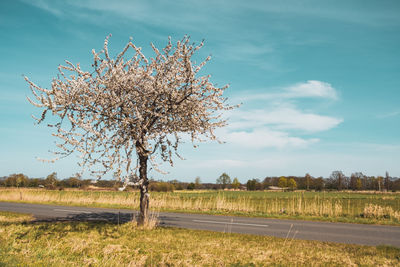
[
  {"x": 378, "y": 208},
  {"x": 24, "y": 242}
]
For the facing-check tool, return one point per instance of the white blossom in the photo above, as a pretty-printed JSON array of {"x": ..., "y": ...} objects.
[{"x": 128, "y": 108}]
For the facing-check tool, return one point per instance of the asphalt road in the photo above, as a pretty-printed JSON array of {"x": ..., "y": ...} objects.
[{"x": 323, "y": 231}]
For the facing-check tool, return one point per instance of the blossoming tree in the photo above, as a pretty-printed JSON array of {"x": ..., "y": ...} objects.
[{"x": 131, "y": 111}]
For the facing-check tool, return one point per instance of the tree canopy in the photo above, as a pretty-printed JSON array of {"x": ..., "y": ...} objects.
[
  {"x": 127, "y": 110},
  {"x": 224, "y": 180}
]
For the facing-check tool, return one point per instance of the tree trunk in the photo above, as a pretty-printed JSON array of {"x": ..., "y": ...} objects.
[{"x": 144, "y": 194}]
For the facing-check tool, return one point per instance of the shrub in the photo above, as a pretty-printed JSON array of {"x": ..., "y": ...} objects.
[
  {"x": 191, "y": 186},
  {"x": 161, "y": 186}
]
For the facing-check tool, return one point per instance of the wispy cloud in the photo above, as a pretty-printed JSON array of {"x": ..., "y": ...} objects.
[
  {"x": 286, "y": 118},
  {"x": 156, "y": 11},
  {"x": 47, "y": 6},
  {"x": 349, "y": 12},
  {"x": 309, "y": 89},
  {"x": 184, "y": 15},
  {"x": 259, "y": 138},
  {"x": 251, "y": 53},
  {"x": 388, "y": 115},
  {"x": 278, "y": 122}
]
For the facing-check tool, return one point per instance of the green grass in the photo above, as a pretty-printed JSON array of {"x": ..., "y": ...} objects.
[
  {"x": 23, "y": 243},
  {"x": 350, "y": 207}
]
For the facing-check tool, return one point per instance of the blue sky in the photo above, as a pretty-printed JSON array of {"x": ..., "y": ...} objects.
[{"x": 319, "y": 80}]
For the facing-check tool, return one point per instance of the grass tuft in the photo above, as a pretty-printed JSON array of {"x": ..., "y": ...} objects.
[
  {"x": 389, "y": 251},
  {"x": 149, "y": 224}
]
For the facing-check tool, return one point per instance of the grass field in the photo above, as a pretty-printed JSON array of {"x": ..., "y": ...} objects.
[
  {"x": 380, "y": 208},
  {"x": 26, "y": 243}
]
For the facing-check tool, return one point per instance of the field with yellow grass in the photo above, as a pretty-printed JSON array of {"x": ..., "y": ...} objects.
[
  {"x": 27, "y": 243},
  {"x": 380, "y": 208}
]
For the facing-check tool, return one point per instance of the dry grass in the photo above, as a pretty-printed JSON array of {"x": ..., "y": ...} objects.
[
  {"x": 150, "y": 223},
  {"x": 345, "y": 206},
  {"x": 376, "y": 211},
  {"x": 102, "y": 244},
  {"x": 11, "y": 217}
]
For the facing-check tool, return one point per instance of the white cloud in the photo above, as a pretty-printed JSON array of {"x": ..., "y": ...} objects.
[
  {"x": 285, "y": 118},
  {"x": 388, "y": 115},
  {"x": 46, "y": 6},
  {"x": 311, "y": 89},
  {"x": 277, "y": 122},
  {"x": 265, "y": 137}
]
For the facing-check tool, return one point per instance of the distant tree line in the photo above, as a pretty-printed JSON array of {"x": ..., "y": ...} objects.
[
  {"x": 336, "y": 181},
  {"x": 52, "y": 182}
]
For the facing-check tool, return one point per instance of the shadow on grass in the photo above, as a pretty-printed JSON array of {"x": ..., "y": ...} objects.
[
  {"x": 107, "y": 224},
  {"x": 107, "y": 217},
  {"x": 78, "y": 222}
]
